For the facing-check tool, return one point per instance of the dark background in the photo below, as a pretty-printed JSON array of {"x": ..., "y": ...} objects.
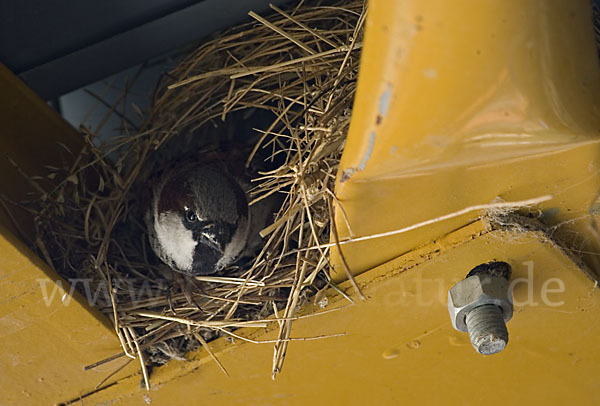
[{"x": 57, "y": 46}]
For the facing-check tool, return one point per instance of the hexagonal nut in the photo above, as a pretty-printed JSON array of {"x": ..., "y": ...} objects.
[{"x": 476, "y": 291}]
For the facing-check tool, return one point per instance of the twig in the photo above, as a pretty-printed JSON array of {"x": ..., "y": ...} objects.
[
  {"x": 207, "y": 348},
  {"x": 341, "y": 254},
  {"x": 466, "y": 210}
]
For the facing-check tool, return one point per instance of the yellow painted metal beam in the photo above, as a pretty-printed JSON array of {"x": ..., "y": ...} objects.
[
  {"x": 399, "y": 346},
  {"x": 462, "y": 102},
  {"x": 30, "y": 136},
  {"x": 48, "y": 333}
]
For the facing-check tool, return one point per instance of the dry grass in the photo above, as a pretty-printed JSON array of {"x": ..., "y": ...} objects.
[{"x": 300, "y": 66}]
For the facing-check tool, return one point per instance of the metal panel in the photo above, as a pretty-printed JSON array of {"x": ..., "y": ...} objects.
[
  {"x": 461, "y": 102},
  {"x": 399, "y": 347},
  {"x": 35, "y": 32},
  {"x": 47, "y": 331},
  {"x": 62, "y": 47},
  {"x": 31, "y": 131}
]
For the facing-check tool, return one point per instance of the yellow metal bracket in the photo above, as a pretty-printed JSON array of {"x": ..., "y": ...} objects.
[
  {"x": 392, "y": 348},
  {"x": 48, "y": 333},
  {"x": 460, "y": 103}
]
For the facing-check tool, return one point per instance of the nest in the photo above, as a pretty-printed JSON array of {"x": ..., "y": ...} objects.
[{"x": 299, "y": 67}]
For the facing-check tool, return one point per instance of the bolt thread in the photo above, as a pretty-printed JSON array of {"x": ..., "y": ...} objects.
[{"x": 487, "y": 329}]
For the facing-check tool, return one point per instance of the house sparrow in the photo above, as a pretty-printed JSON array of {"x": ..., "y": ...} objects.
[
  {"x": 197, "y": 214},
  {"x": 199, "y": 221}
]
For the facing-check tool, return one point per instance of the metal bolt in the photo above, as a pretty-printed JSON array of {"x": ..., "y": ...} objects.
[
  {"x": 481, "y": 304},
  {"x": 487, "y": 329}
]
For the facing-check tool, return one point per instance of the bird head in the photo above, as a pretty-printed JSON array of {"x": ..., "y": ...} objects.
[{"x": 198, "y": 220}]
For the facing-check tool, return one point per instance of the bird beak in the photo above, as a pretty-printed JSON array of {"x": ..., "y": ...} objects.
[
  {"x": 211, "y": 242},
  {"x": 217, "y": 238}
]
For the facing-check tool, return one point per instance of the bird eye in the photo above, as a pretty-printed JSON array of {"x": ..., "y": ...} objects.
[{"x": 190, "y": 216}]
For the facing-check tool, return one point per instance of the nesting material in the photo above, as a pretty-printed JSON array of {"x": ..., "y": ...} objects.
[{"x": 299, "y": 65}]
